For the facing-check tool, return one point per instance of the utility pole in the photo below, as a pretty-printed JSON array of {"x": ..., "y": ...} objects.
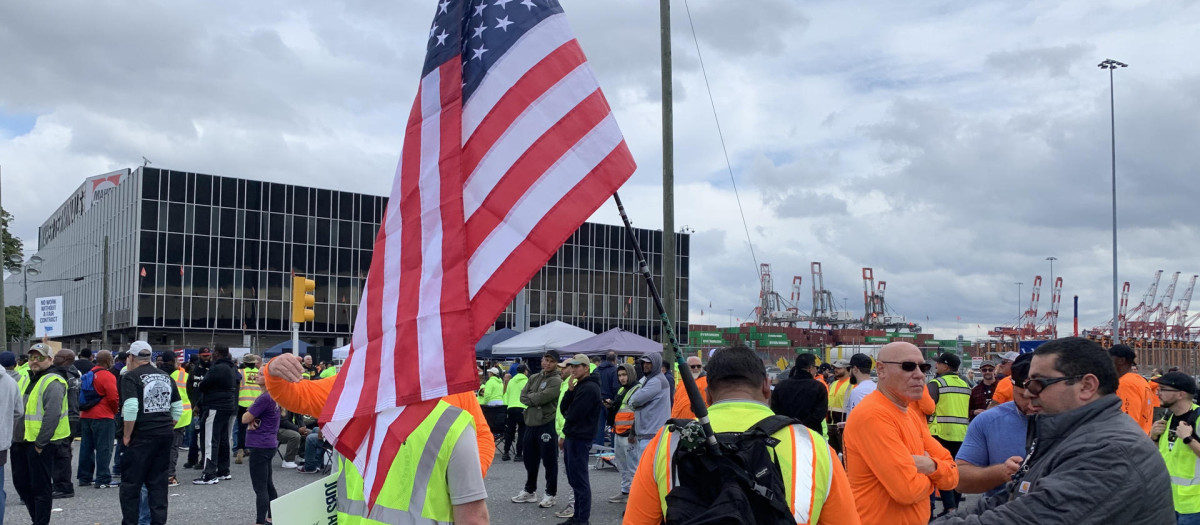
[
  {"x": 1110, "y": 65},
  {"x": 668, "y": 162},
  {"x": 3, "y": 318},
  {"x": 104, "y": 299}
]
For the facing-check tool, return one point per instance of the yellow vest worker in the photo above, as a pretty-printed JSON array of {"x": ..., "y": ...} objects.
[
  {"x": 181, "y": 377},
  {"x": 953, "y": 397},
  {"x": 1178, "y": 444},
  {"x": 36, "y": 437},
  {"x": 35, "y": 413},
  {"x": 250, "y": 389},
  {"x": 436, "y": 469}
]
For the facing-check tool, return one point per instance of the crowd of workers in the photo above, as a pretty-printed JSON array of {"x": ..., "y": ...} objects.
[{"x": 1067, "y": 433}]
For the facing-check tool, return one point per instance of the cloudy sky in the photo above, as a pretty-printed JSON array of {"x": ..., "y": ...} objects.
[{"x": 951, "y": 146}]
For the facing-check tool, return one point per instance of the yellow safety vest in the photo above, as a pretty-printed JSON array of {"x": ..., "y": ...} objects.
[
  {"x": 416, "y": 490},
  {"x": 34, "y": 410},
  {"x": 837, "y": 395},
  {"x": 1184, "y": 468},
  {"x": 512, "y": 391},
  {"x": 181, "y": 378},
  {"x": 250, "y": 387},
  {"x": 22, "y": 381},
  {"x": 950, "y": 418},
  {"x": 802, "y": 454}
]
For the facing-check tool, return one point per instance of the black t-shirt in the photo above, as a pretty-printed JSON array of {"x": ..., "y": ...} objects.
[{"x": 155, "y": 392}]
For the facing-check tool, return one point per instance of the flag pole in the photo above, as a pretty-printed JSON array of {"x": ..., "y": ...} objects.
[{"x": 689, "y": 383}]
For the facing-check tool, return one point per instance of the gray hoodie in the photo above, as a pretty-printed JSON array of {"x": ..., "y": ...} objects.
[
  {"x": 652, "y": 402},
  {"x": 12, "y": 411},
  {"x": 1091, "y": 465}
]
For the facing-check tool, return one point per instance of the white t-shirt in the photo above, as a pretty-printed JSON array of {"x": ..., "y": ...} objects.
[{"x": 860, "y": 392}]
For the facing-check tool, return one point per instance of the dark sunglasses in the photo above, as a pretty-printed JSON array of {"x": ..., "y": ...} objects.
[
  {"x": 909, "y": 366},
  {"x": 695, "y": 367},
  {"x": 1035, "y": 385}
]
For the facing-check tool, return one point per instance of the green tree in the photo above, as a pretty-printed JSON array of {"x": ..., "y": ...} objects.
[
  {"x": 19, "y": 324},
  {"x": 12, "y": 245}
]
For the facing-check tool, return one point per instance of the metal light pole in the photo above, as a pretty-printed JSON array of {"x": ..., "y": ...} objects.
[
  {"x": 1110, "y": 65},
  {"x": 28, "y": 269},
  {"x": 1052, "y": 259},
  {"x": 1020, "y": 314}
]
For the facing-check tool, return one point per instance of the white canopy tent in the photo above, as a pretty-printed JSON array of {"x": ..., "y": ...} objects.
[{"x": 551, "y": 336}]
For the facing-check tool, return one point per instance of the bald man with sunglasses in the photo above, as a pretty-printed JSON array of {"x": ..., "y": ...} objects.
[{"x": 892, "y": 461}]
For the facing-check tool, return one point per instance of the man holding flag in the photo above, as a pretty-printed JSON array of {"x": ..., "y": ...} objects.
[{"x": 510, "y": 146}]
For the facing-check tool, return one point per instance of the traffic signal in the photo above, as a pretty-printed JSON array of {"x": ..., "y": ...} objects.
[{"x": 303, "y": 299}]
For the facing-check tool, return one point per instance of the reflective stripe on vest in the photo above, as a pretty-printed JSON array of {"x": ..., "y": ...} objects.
[
  {"x": 181, "y": 378},
  {"x": 626, "y": 416},
  {"x": 1184, "y": 469},
  {"x": 34, "y": 411},
  {"x": 950, "y": 418},
  {"x": 414, "y": 492},
  {"x": 837, "y": 394},
  {"x": 807, "y": 473},
  {"x": 250, "y": 388}
]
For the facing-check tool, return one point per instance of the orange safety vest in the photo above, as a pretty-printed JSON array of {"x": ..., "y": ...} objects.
[{"x": 623, "y": 421}]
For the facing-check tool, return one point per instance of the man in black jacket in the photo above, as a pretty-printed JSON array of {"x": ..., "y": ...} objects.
[
  {"x": 800, "y": 396},
  {"x": 195, "y": 375},
  {"x": 606, "y": 373},
  {"x": 219, "y": 393},
  {"x": 151, "y": 405},
  {"x": 580, "y": 407}
]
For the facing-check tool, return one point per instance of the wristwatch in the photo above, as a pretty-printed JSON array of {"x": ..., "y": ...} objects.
[{"x": 1187, "y": 440}]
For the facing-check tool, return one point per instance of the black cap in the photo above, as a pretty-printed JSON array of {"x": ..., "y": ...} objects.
[
  {"x": 1178, "y": 381},
  {"x": 553, "y": 354},
  {"x": 949, "y": 360},
  {"x": 1125, "y": 352},
  {"x": 1020, "y": 369},
  {"x": 861, "y": 362}
]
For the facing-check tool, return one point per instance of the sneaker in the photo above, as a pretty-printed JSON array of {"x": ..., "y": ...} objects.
[
  {"x": 506, "y": 457},
  {"x": 83, "y": 483},
  {"x": 548, "y": 501},
  {"x": 172, "y": 482},
  {"x": 289, "y": 464},
  {"x": 198, "y": 466},
  {"x": 103, "y": 486},
  {"x": 518, "y": 457},
  {"x": 301, "y": 469},
  {"x": 205, "y": 480},
  {"x": 189, "y": 465},
  {"x": 567, "y": 512},
  {"x": 183, "y": 449},
  {"x": 525, "y": 497},
  {"x": 61, "y": 495},
  {"x": 226, "y": 477},
  {"x": 241, "y": 454},
  {"x": 619, "y": 498}
]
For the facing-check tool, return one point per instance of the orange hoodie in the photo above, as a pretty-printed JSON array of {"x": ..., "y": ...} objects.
[
  {"x": 880, "y": 441},
  {"x": 1136, "y": 397},
  {"x": 309, "y": 397},
  {"x": 682, "y": 409}
]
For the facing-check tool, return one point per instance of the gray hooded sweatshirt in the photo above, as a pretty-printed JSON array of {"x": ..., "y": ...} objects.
[{"x": 652, "y": 402}]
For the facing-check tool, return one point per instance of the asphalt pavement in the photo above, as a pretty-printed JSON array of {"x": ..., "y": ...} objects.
[{"x": 231, "y": 502}]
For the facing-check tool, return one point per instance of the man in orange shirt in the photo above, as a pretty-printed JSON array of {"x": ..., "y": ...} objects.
[
  {"x": 1004, "y": 391},
  {"x": 283, "y": 381},
  {"x": 892, "y": 461},
  {"x": 738, "y": 393},
  {"x": 682, "y": 407},
  {"x": 1132, "y": 388}
]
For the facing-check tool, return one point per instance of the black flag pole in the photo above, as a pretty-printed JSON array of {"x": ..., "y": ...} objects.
[{"x": 689, "y": 383}]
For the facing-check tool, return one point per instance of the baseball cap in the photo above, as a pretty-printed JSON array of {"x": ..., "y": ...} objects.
[
  {"x": 41, "y": 348},
  {"x": 987, "y": 363},
  {"x": 494, "y": 371},
  {"x": 8, "y": 359},
  {"x": 1020, "y": 369},
  {"x": 553, "y": 354},
  {"x": 1009, "y": 356},
  {"x": 579, "y": 359},
  {"x": 861, "y": 362},
  {"x": 1125, "y": 352},
  {"x": 205, "y": 351},
  {"x": 140, "y": 349},
  {"x": 1178, "y": 381},
  {"x": 949, "y": 360},
  {"x": 645, "y": 359},
  {"x": 841, "y": 363}
]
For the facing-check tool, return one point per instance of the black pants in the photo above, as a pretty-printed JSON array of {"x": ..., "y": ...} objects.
[
  {"x": 31, "y": 477},
  {"x": 514, "y": 426},
  {"x": 541, "y": 444},
  {"x": 575, "y": 459},
  {"x": 176, "y": 442},
  {"x": 263, "y": 481},
  {"x": 145, "y": 463},
  {"x": 835, "y": 434},
  {"x": 62, "y": 465},
  {"x": 495, "y": 415},
  {"x": 241, "y": 428},
  {"x": 950, "y": 498},
  {"x": 196, "y": 449},
  {"x": 216, "y": 453}
]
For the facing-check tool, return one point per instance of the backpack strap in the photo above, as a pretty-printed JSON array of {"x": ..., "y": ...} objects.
[{"x": 772, "y": 424}]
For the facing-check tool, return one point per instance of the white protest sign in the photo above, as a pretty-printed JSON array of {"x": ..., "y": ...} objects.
[
  {"x": 47, "y": 316},
  {"x": 312, "y": 504}
]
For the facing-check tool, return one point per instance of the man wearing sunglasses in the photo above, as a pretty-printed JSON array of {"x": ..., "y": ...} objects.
[
  {"x": 1087, "y": 462},
  {"x": 681, "y": 408},
  {"x": 893, "y": 463},
  {"x": 1178, "y": 444}
]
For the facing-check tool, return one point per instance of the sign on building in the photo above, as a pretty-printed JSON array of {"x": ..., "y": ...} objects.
[{"x": 47, "y": 316}]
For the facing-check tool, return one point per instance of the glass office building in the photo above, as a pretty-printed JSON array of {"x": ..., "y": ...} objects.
[{"x": 199, "y": 259}]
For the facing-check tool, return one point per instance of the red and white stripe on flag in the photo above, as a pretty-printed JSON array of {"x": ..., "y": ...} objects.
[{"x": 505, "y": 155}]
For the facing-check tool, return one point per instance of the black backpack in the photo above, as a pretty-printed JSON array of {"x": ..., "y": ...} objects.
[{"x": 743, "y": 485}]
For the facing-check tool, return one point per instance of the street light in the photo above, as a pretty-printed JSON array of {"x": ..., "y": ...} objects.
[
  {"x": 1052, "y": 259},
  {"x": 1110, "y": 65},
  {"x": 1019, "y": 313},
  {"x": 27, "y": 269}
]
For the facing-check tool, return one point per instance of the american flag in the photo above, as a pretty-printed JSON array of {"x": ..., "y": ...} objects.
[{"x": 509, "y": 147}]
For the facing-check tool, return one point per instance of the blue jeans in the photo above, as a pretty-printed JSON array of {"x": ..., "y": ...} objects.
[
  {"x": 144, "y": 507},
  {"x": 625, "y": 457},
  {"x": 312, "y": 452},
  {"x": 1187, "y": 519},
  {"x": 95, "y": 450},
  {"x": 575, "y": 459}
]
